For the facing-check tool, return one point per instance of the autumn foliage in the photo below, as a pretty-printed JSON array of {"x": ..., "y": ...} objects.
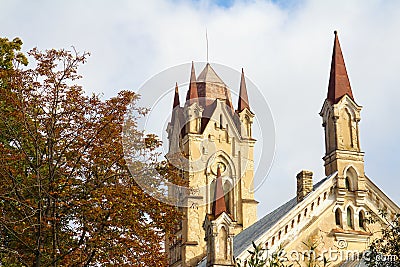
[{"x": 67, "y": 197}]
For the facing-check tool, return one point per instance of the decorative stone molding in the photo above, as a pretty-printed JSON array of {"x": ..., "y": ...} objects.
[{"x": 351, "y": 236}]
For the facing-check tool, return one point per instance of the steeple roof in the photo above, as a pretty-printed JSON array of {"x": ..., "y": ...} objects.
[
  {"x": 243, "y": 101},
  {"x": 339, "y": 84},
  {"x": 208, "y": 75},
  {"x": 219, "y": 201},
  {"x": 176, "y": 97},
  {"x": 192, "y": 94},
  {"x": 211, "y": 87}
]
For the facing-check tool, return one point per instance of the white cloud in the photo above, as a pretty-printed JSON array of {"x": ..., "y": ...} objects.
[{"x": 286, "y": 51}]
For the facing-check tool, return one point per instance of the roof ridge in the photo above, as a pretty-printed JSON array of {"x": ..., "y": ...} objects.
[{"x": 264, "y": 224}]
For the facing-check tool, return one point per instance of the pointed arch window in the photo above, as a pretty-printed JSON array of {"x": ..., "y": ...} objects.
[
  {"x": 347, "y": 129},
  {"x": 330, "y": 134},
  {"x": 247, "y": 125},
  {"x": 349, "y": 217},
  {"x": 338, "y": 217},
  {"x": 228, "y": 196},
  {"x": 351, "y": 179},
  {"x": 209, "y": 242},
  {"x": 347, "y": 184},
  {"x": 361, "y": 220}
]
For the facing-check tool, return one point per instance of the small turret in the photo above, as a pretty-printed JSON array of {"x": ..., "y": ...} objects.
[
  {"x": 243, "y": 101},
  {"x": 176, "y": 97},
  {"x": 192, "y": 94}
]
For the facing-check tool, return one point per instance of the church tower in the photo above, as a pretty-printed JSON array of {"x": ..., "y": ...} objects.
[
  {"x": 341, "y": 117},
  {"x": 215, "y": 140}
]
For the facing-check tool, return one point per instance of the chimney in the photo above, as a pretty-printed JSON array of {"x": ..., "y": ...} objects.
[{"x": 304, "y": 184}]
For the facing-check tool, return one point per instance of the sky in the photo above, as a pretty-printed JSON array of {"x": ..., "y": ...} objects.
[{"x": 284, "y": 47}]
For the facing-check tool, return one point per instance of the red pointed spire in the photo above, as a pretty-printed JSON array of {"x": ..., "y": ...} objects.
[
  {"x": 243, "y": 101},
  {"x": 176, "y": 97},
  {"x": 339, "y": 84},
  {"x": 192, "y": 94},
  {"x": 219, "y": 200}
]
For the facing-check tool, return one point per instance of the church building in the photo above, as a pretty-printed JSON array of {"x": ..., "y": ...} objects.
[{"x": 220, "y": 222}]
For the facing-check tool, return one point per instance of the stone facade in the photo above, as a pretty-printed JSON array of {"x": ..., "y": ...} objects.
[
  {"x": 328, "y": 215},
  {"x": 211, "y": 134}
]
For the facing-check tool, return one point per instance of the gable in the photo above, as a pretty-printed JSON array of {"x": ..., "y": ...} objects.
[
  {"x": 314, "y": 219},
  {"x": 220, "y": 116}
]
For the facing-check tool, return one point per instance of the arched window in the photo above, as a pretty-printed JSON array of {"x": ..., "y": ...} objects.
[
  {"x": 351, "y": 179},
  {"x": 361, "y": 220},
  {"x": 179, "y": 250},
  {"x": 347, "y": 138},
  {"x": 273, "y": 241},
  {"x": 198, "y": 124},
  {"x": 338, "y": 217},
  {"x": 209, "y": 241},
  {"x": 298, "y": 218},
  {"x": 330, "y": 134},
  {"x": 347, "y": 184},
  {"x": 286, "y": 229},
  {"x": 228, "y": 195},
  {"x": 292, "y": 225},
  {"x": 305, "y": 213},
  {"x": 349, "y": 217},
  {"x": 279, "y": 235},
  {"x": 312, "y": 206},
  {"x": 220, "y": 121},
  {"x": 248, "y": 125}
]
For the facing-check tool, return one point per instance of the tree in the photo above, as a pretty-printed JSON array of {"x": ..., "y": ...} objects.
[
  {"x": 385, "y": 251},
  {"x": 10, "y": 58},
  {"x": 260, "y": 257},
  {"x": 67, "y": 197}
]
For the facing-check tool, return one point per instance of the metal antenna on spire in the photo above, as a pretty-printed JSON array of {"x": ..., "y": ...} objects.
[{"x": 207, "y": 44}]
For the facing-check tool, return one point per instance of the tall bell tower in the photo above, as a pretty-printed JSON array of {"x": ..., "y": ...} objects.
[
  {"x": 214, "y": 138},
  {"x": 341, "y": 116}
]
